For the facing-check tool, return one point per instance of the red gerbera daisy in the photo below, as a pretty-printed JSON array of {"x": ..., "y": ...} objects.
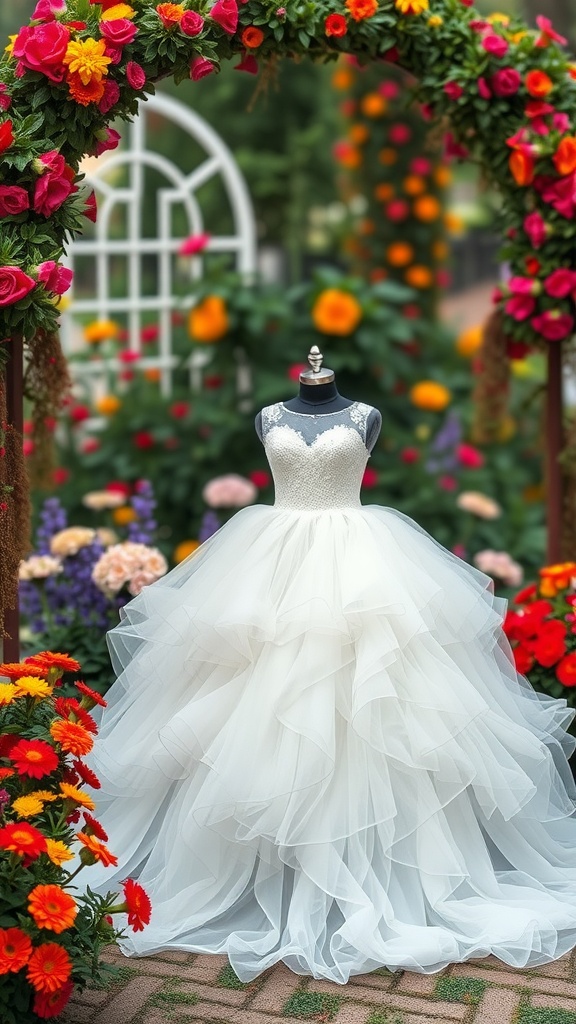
[
  {"x": 95, "y": 828},
  {"x": 54, "y": 659},
  {"x": 87, "y": 775},
  {"x": 23, "y": 839},
  {"x": 66, "y": 706},
  {"x": 15, "y": 950},
  {"x": 91, "y": 694},
  {"x": 15, "y": 669},
  {"x": 34, "y": 758},
  {"x": 50, "y": 1004},
  {"x": 72, "y": 737},
  {"x": 138, "y": 905},
  {"x": 49, "y": 967},
  {"x": 7, "y": 741}
]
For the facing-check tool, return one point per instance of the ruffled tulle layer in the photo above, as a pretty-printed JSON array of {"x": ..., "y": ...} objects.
[{"x": 318, "y": 751}]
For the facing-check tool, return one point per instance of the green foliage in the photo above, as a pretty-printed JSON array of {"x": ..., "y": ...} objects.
[
  {"x": 229, "y": 979},
  {"x": 311, "y": 1004},
  {"x": 460, "y": 990},
  {"x": 537, "y": 1015}
]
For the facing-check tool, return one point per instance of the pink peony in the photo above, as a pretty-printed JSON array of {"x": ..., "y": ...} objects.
[
  {"x": 118, "y": 32},
  {"x": 13, "y": 200},
  {"x": 495, "y": 44},
  {"x": 249, "y": 64},
  {"x": 484, "y": 89},
  {"x": 110, "y": 97},
  {"x": 553, "y": 324},
  {"x": 191, "y": 23},
  {"x": 200, "y": 67},
  {"x": 469, "y": 456},
  {"x": 42, "y": 48},
  {"x": 14, "y": 285},
  {"x": 500, "y": 565},
  {"x": 229, "y": 491},
  {"x": 129, "y": 565},
  {"x": 107, "y": 138},
  {"x": 135, "y": 74},
  {"x": 194, "y": 244},
  {"x": 453, "y": 90},
  {"x": 536, "y": 229},
  {"x": 55, "y": 277},
  {"x": 560, "y": 283},
  {"x": 520, "y": 306},
  {"x": 225, "y": 14},
  {"x": 506, "y": 82}
]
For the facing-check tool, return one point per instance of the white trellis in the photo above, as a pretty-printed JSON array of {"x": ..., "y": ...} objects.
[{"x": 96, "y": 255}]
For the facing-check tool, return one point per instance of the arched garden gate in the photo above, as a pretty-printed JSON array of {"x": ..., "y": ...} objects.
[{"x": 507, "y": 91}]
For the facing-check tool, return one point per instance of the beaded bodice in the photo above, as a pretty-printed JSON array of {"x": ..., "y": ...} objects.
[{"x": 317, "y": 461}]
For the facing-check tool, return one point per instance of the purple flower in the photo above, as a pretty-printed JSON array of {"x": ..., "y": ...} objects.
[
  {"x": 4, "y": 799},
  {"x": 209, "y": 525},
  {"x": 52, "y": 519},
  {"x": 142, "y": 530}
]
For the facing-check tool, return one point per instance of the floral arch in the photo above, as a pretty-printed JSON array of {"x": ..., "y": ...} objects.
[{"x": 506, "y": 92}]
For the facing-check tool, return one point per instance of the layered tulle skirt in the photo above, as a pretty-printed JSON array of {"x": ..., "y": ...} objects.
[{"x": 318, "y": 750}]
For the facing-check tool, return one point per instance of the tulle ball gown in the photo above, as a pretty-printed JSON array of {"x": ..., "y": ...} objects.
[{"x": 318, "y": 750}]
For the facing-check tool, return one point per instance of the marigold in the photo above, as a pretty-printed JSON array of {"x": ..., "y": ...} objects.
[
  {"x": 34, "y": 758},
  {"x": 101, "y": 330},
  {"x": 117, "y": 12},
  {"x": 49, "y": 967},
  {"x": 454, "y": 223},
  {"x": 51, "y": 1004},
  {"x": 70, "y": 792},
  {"x": 7, "y": 693},
  {"x": 58, "y": 852},
  {"x": 336, "y": 312},
  {"x": 414, "y": 185},
  {"x": 442, "y": 176},
  {"x": 138, "y": 905},
  {"x": 23, "y": 839},
  {"x": 470, "y": 340},
  {"x": 85, "y": 94},
  {"x": 399, "y": 254},
  {"x": 208, "y": 321},
  {"x": 411, "y": 6},
  {"x": 86, "y": 59},
  {"x": 384, "y": 192},
  {"x": 13, "y": 670},
  {"x": 185, "y": 548},
  {"x": 170, "y": 14},
  {"x": 107, "y": 405},
  {"x": 52, "y": 908},
  {"x": 153, "y": 374},
  {"x": 538, "y": 84},
  {"x": 419, "y": 276},
  {"x": 27, "y": 806},
  {"x": 124, "y": 515},
  {"x": 342, "y": 79},
  {"x": 95, "y": 851},
  {"x": 435, "y": 21},
  {"x": 427, "y": 209},
  {"x": 347, "y": 155},
  {"x": 358, "y": 133},
  {"x": 72, "y": 737},
  {"x": 440, "y": 250},
  {"x": 252, "y": 37},
  {"x": 362, "y": 9},
  {"x": 53, "y": 660},
  {"x": 32, "y": 686},
  {"x": 430, "y": 395},
  {"x": 373, "y": 105},
  {"x": 15, "y": 950},
  {"x": 387, "y": 156}
]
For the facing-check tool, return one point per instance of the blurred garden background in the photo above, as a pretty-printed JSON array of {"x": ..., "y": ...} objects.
[{"x": 375, "y": 241}]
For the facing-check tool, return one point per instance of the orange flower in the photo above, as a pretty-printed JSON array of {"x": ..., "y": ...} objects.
[
  {"x": 414, "y": 185},
  {"x": 153, "y": 374},
  {"x": 427, "y": 208},
  {"x": 358, "y": 134},
  {"x": 15, "y": 950},
  {"x": 418, "y": 276},
  {"x": 170, "y": 14},
  {"x": 387, "y": 156},
  {"x": 58, "y": 852},
  {"x": 52, "y": 908},
  {"x": 185, "y": 548},
  {"x": 440, "y": 250},
  {"x": 72, "y": 737},
  {"x": 384, "y": 192},
  {"x": 521, "y": 166},
  {"x": 108, "y": 405},
  {"x": 53, "y": 659},
  {"x": 442, "y": 176},
  {"x": 336, "y": 312},
  {"x": 13, "y": 670},
  {"x": 252, "y": 37},
  {"x": 347, "y": 155},
  {"x": 49, "y": 967},
  {"x": 101, "y": 330},
  {"x": 95, "y": 851},
  {"x": 138, "y": 905},
  {"x": 470, "y": 340},
  {"x": 124, "y": 515},
  {"x": 373, "y": 105},
  {"x": 362, "y": 9},
  {"x": 118, "y": 11},
  {"x": 399, "y": 254},
  {"x": 34, "y": 758},
  {"x": 85, "y": 94},
  {"x": 208, "y": 321},
  {"x": 430, "y": 396},
  {"x": 366, "y": 227},
  {"x": 538, "y": 84},
  {"x": 565, "y": 156},
  {"x": 342, "y": 79},
  {"x": 70, "y": 792}
]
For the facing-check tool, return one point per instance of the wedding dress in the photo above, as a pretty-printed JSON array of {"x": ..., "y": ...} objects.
[{"x": 318, "y": 750}]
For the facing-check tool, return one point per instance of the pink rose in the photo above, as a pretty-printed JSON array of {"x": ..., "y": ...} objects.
[
  {"x": 54, "y": 185},
  {"x": 248, "y": 64},
  {"x": 447, "y": 482},
  {"x": 524, "y": 286},
  {"x": 389, "y": 90},
  {"x": 548, "y": 32},
  {"x": 469, "y": 456},
  {"x": 42, "y": 48},
  {"x": 484, "y": 89},
  {"x": 46, "y": 10},
  {"x": 536, "y": 229},
  {"x": 118, "y": 32},
  {"x": 193, "y": 244},
  {"x": 200, "y": 67},
  {"x": 110, "y": 97},
  {"x": 506, "y": 82},
  {"x": 399, "y": 134},
  {"x": 561, "y": 122},
  {"x": 560, "y": 283},
  {"x": 453, "y": 148},
  {"x": 225, "y": 14},
  {"x": 14, "y": 285},
  {"x": 106, "y": 138},
  {"x": 135, "y": 74},
  {"x": 453, "y": 90},
  {"x": 421, "y": 166},
  {"x": 5, "y": 98},
  {"x": 191, "y": 23},
  {"x": 13, "y": 200},
  {"x": 495, "y": 45},
  {"x": 520, "y": 306},
  {"x": 55, "y": 277},
  {"x": 397, "y": 210},
  {"x": 560, "y": 193},
  {"x": 91, "y": 208},
  {"x": 553, "y": 325}
]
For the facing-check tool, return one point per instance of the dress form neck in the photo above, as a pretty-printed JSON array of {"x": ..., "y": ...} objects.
[{"x": 318, "y": 399}]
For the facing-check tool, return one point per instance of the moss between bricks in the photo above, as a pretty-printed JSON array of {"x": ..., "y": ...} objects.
[
  {"x": 538, "y": 1015},
  {"x": 385, "y": 1017},
  {"x": 229, "y": 979},
  {"x": 461, "y": 990},
  {"x": 310, "y": 1004}
]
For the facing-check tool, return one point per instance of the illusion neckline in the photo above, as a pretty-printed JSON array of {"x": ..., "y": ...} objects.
[{"x": 336, "y": 413}]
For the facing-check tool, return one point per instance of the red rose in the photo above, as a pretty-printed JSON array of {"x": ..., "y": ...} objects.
[
  {"x": 119, "y": 32},
  {"x": 550, "y": 644},
  {"x": 14, "y": 285},
  {"x": 46, "y": 10},
  {"x": 553, "y": 325},
  {"x": 5, "y": 98},
  {"x": 42, "y": 48},
  {"x": 109, "y": 139},
  {"x": 495, "y": 45},
  {"x": 13, "y": 200},
  {"x": 191, "y": 23},
  {"x": 523, "y": 660},
  {"x": 135, "y": 74},
  {"x": 200, "y": 67},
  {"x": 506, "y": 82},
  {"x": 453, "y": 90},
  {"x": 335, "y": 25},
  {"x": 79, "y": 413},
  {"x": 91, "y": 207},
  {"x": 143, "y": 439},
  {"x": 6, "y": 136},
  {"x": 566, "y": 670},
  {"x": 110, "y": 96},
  {"x": 409, "y": 455},
  {"x": 55, "y": 277},
  {"x": 370, "y": 477},
  {"x": 260, "y": 478},
  {"x": 50, "y": 192},
  {"x": 225, "y": 14}
]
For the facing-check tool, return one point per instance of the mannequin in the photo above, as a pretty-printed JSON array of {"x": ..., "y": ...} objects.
[{"x": 319, "y": 396}]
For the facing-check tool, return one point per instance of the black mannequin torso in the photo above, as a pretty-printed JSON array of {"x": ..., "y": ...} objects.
[{"x": 317, "y": 399}]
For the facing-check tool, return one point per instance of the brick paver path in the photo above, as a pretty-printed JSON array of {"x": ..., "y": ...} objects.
[{"x": 187, "y": 988}]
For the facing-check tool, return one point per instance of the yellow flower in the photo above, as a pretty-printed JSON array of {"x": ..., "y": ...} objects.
[
  {"x": 515, "y": 37},
  {"x": 208, "y": 321},
  {"x": 118, "y": 11},
  {"x": 185, "y": 548},
  {"x": 45, "y": 795},
  {"x": 58, "y": 852},
  {"x": 101, "y": 330},
  {"x": 454, "y": 223},
  {"x": 435, "y": 21},
  {"x": 62, "y": 303},
  {"x": 469, "y": 341},
  {"x": 8, "y": 49},
  {"x": 521, "y": 368},
  {"x": 430, "y": 395},
  {"x": 124, "y": 515},
  {"x": 502, "y": 19},
  {"x": 27, "y": 806},
  {"x": 86, "y": 58},
  {"x": 336, "y": 312},
  {"x": 108, "y": 405},
  {"x": 7, "y": 693},
  {"x": 411, "y": 6},
  {"x": 422, "y": 432},
  {"x": 77, "y": 795},
  {"x": 31, "y": 686},
  {"x": 341, "y": 79},
  {"x": 507, "y": 429}
]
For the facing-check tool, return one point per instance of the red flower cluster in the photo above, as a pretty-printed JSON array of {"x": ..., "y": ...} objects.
[{"x": 542, "y": 628}]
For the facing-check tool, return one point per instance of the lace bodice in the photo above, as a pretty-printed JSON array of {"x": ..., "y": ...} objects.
[{"x": 317, "y": 461}]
